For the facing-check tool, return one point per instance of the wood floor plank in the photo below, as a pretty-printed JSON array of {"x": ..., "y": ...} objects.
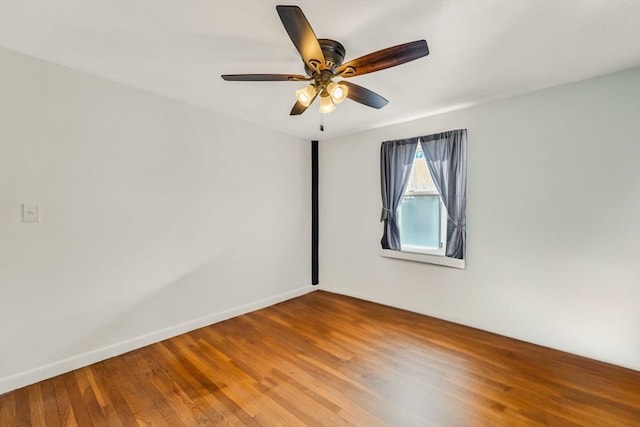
[
  {"x": 160, "y": 400},
  {"x": 89, "y": 398},
  {"x": 198, "y": 368},
  {"x": 329, "y": 360},
  {"x": 117, "y": 411},
  {"x": 133, "y": 382},
  {"x": 23, "y": 411},
  {"x": 65, "y": 409},
  {"x": 51, "y": 412},
  {"x": 213, "y": 408},
  {"x": 168, "y": 391},
  {"x": 185, "y": 391},
  {"x": 80, "y": 411},
  {"x": 7, "y": 409},
  {"x": 36, "y": 405}
]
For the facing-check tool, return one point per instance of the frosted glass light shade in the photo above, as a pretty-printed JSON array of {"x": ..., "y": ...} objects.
[
  {"x": 326, "y": 104},
  {"x": 305, "y": 95},
  {"x": 338, "y": 92}
]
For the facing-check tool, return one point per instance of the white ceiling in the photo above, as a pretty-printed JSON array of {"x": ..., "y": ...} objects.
[{"x": 480, "y": 50}]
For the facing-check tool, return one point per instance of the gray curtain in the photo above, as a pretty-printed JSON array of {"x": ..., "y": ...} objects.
[
  {"x": 446, "y": 155},
  {"x": 396, "y": 158}
]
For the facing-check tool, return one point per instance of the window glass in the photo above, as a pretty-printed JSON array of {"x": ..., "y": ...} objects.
[
  {"x": 419, "y": 220},
  {"x": 420, "y": 178}
]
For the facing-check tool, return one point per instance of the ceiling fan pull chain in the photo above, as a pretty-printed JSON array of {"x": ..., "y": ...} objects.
[{"x": 321, "y": 122}]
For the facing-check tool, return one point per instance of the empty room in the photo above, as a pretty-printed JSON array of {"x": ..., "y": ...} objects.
[{"x": 320, "y": 213}]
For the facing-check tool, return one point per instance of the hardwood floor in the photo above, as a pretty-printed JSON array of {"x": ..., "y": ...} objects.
[{"x": 329, "y": 360}]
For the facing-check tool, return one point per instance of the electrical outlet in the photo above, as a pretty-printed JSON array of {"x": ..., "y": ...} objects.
[{"x": 30, "y": 213}]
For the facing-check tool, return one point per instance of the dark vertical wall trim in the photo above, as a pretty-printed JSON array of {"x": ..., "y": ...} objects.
[{"x": 314, "y": 212}]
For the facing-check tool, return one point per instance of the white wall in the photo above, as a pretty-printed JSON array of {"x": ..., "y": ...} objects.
[
  {"x": 553, "y": 220},
  {"x": 157, "y": 217}
]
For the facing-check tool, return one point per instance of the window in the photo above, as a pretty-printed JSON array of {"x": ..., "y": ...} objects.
[
  {"x": 421, "y": 215},
  {"x": 423, "y": 183}
]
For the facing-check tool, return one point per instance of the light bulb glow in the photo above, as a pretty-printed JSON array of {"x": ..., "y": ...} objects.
[
  {"x": 326, "y": 104},
  {"x": 305, "y": 95},
  {"x": 338, "y": 92}
]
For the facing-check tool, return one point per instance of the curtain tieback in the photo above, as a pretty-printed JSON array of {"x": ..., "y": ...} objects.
[
  {"x": 459, "y": 226},
  {"x": 386, "y": 214}
]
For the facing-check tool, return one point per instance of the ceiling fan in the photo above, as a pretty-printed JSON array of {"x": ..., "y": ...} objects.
[{"x": 323, "y": 62}]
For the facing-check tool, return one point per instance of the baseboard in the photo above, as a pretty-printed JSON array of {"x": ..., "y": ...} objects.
[{"x": 35, "y": 375}]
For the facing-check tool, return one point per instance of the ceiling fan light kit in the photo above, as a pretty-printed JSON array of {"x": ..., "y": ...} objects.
[
  {"x": 323, "y": 61},
  {"x": 306, "y": 95},
  {"x": 326, "y": 104},
  {"x": 338, "y": 92}
]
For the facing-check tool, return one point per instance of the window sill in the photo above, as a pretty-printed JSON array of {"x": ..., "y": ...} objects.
[{"x": 429, "y": 259}]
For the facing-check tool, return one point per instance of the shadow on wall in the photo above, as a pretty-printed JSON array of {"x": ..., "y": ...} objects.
[{"x": 213, "y": 291}]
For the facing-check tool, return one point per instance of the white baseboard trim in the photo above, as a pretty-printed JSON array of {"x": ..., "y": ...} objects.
[{"x": 40, "y": 373}]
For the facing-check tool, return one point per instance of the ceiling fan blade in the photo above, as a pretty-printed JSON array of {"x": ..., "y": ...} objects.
[
  {"x": 385, "y": 58},
  {"x": 301, "y": 35},
  {"x": 364, "y": 96},
  {"x": 299, "y": 108},
  {"x": 262, "y": 77}
]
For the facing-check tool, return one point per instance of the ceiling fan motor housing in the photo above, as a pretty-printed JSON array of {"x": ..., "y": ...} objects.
[{"x": 333, "y": 52}]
